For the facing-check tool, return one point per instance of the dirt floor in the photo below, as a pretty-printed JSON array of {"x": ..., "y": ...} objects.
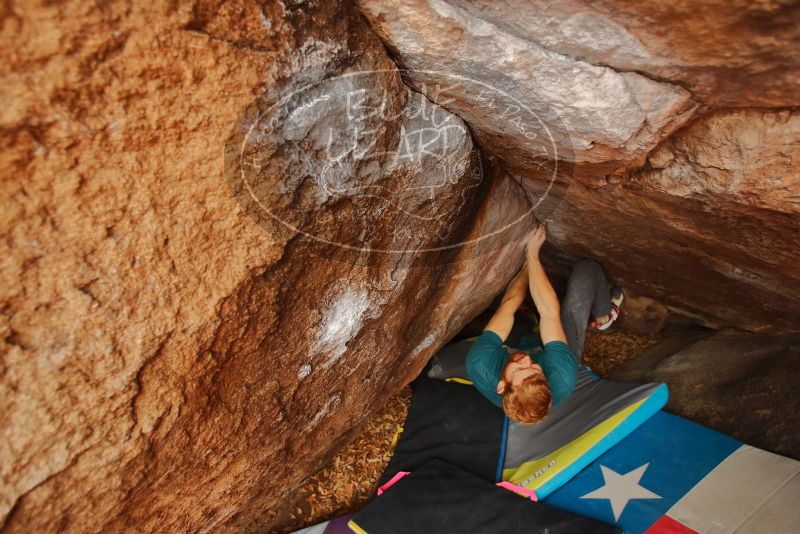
[
  {"x": 604, "y": 351},
  {"x": 347, "y": 483}
]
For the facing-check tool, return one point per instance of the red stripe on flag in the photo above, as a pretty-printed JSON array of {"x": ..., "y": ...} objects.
[{"x": 667, "y": 525}]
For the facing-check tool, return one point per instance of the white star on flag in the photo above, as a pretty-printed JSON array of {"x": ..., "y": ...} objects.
[{"x": 621, "y": 489}]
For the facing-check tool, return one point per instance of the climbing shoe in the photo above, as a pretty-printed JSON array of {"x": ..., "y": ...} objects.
[{"x": 617, "y": 296}]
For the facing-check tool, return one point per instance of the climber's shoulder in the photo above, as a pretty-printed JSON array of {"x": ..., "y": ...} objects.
[{"x": 485, "y": 361}]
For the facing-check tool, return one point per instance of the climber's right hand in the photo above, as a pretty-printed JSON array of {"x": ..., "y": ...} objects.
[{"x": 535, "y": 240}]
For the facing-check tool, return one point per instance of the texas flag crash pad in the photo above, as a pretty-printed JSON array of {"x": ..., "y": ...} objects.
[
  {"x": 597, "y": 415},
  {"x": 674, "y": 476}
]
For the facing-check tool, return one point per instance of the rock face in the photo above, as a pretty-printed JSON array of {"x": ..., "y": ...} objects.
[
  {"x": 231, "y": 228},
  {"x": 715, "y": 250},
  {"x": 735, "y": 382},
  {"x": 723, "y": 53},
  {"x": 731, "y": 158},
  {"x": 526, "y": 103},
  {"x": 220, "y": 250},
  {"x": 684, "y": 197}
]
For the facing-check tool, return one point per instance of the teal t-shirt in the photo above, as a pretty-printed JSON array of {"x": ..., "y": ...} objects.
[{"x": 488, "y": 356}]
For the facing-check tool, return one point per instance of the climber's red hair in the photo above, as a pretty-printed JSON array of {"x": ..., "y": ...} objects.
[{"x": 528, "y": 402}]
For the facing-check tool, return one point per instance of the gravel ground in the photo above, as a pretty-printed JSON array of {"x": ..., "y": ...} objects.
[
  {"x": 604, "y": 351},
  {"x": 349, "y": 480}
]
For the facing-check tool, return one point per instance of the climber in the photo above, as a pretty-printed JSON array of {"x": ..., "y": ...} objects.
[{"x": 526, "y": 383}]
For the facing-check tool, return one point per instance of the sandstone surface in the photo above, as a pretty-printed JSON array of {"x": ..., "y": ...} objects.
[
  {"x": 525, "y": 103},
  {"x": 638, "y": 158},
  {"x": 736, "y": 382},
  {"x": 231, "y": 227},
  {"x": 199, "y": 306},
  {"x": 739, "y": 54},
  {"x": 722, "y": 250}
]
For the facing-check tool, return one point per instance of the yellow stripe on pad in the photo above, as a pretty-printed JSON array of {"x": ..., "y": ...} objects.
[
  {"x": 459, "y": 380},
  {"x": 355, "y": 528},
  {"x": 535, "y": 473},
  {"x": 396, "y": 437}
]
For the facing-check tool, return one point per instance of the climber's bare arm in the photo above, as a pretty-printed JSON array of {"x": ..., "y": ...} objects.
[
  {"x": 544, "y": 296},
  {"x": 503, "y": 319}
]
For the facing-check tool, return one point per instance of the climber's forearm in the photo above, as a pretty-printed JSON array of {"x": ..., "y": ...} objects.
[
  {"x": 515, "y": 292},
  {"x": 546, "y": 300},
  {"x": 542, "y": 292},
  {"x": 502, "y": 321}
]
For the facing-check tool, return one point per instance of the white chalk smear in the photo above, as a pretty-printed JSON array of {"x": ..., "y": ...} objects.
[
  {"x": 304, "y": 371},
  {"x": 341, "y": 322},
  {"x": 425, "y": 343},
  {"x": 333, "y": 403}
]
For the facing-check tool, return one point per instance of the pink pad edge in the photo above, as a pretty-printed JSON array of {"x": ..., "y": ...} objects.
[
  {"x": 518, "y": 489},
  {"x": 398, "y": 476},
  {"x": 505, "y": 485}
]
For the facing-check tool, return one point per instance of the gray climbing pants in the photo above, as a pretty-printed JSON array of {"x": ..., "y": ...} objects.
[{"x": 588, "y": 294}]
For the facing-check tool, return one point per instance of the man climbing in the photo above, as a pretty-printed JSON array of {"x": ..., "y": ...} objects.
[{"x": 524, "y": 386}]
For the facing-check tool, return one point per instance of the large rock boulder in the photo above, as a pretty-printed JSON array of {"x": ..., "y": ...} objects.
[
  {"x": 735, "y": 382},
  {"x": 723, "y": 53},
  {"x": 655, "y": 139},
  {"x": 231, "y": 228},
  {"x": 708, "y": 226},
  {"x": 526, "y": 103},
  {"x": 221, "y": 248}
]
